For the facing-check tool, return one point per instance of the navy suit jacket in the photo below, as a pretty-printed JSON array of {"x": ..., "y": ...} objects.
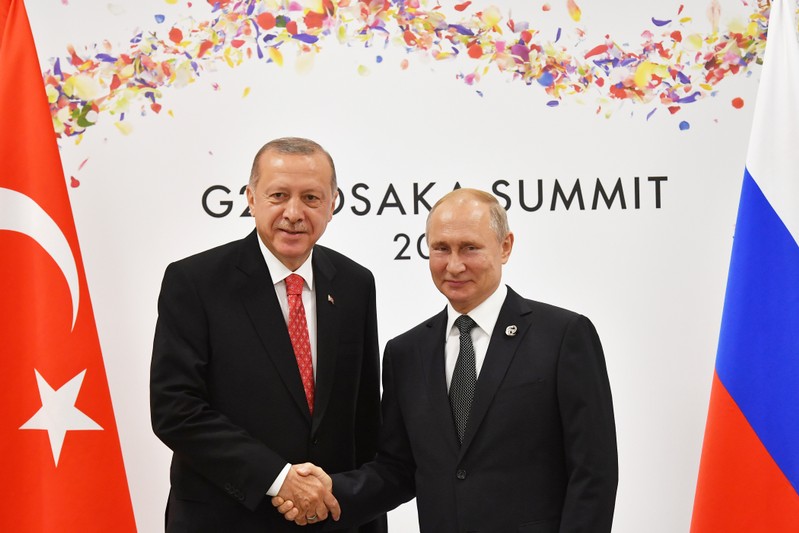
[
  {"x": 226, "y": 394},
  {"x": 539, "y": 454}
]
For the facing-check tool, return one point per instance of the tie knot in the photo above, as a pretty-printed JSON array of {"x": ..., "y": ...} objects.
[
  {"x": 465, "y": 324},
  {"x": 294, "y": 284}
]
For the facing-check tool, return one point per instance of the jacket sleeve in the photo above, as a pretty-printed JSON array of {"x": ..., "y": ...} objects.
[
  {"x": 181, "y": 413},
  {"x": 388, "y": 481},
  {"x": 589, "y": 431}
]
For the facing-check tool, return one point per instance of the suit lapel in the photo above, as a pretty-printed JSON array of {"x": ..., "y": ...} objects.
[
  {"x": 328, "y": 321},
  {"x": 501, "y": 350},
  {"x": 261, "y": 304},
  {"x": 431, "y": 350}
]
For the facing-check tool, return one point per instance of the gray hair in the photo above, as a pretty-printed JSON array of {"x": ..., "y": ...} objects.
[{"x": 293, "y": 146}]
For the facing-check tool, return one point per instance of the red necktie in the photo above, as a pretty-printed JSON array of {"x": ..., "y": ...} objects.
[{"x": 298, "y": 332}]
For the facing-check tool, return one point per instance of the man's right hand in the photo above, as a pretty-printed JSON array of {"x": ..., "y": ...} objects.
[{"x": 306, "y": 495}]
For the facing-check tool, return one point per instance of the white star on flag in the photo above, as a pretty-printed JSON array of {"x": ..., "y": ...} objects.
[{"x": 58, "y": 413}]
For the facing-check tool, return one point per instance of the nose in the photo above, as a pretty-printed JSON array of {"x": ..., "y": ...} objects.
[
  {"x": 293, "y": 210},
  {"x": 455, "y": 264}
]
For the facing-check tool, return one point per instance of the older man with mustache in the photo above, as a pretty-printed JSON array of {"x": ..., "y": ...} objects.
[{"x": 266, "y": 355}]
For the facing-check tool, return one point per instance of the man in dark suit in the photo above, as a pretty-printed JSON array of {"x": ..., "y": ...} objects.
[
  {"x": 255, "y": 369},
  {"x": 498, "y": 422}
]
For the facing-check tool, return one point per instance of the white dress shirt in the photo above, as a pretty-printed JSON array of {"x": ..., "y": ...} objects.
[
  {"x": 279, "y": 272},
  {"x": 485, "y": 315}
]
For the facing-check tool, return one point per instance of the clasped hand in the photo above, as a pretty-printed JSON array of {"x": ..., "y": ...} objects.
[{"x": 306, "y": 496}]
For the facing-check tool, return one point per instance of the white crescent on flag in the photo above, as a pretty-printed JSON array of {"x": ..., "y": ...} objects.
[{"x": 21, "y": 214}]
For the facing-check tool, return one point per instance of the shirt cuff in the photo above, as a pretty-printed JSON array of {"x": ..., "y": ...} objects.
[{"x": 278, "y": 483}]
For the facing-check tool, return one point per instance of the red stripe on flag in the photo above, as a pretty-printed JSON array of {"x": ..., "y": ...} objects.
[
  {"x": 740, "y": 487},
  {"x": 59, "y": 448}
]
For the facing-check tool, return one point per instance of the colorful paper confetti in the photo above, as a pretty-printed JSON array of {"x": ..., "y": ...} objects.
[{"x": 671, "y": 67}]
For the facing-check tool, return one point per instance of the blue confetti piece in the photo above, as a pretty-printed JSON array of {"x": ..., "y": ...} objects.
[
  {"x": 159, "y": 19},
  {"x": 106, "y": 58},
  {"x": 545, "y": 79},
  {"x": 683, "y": 78},
  {"x": 479, "y": 93},
  {"x": 462, "y": 30},
  {"x": 684, "y": 126},
  {"x": 650, "y": 113},
  {"x": 659, "y": 23},
  {"x": 553, "y": 103},
  {"x": 690, "y": 99},
  {"x": 57, "y": 67},
  {"x": 379, "y": 59},
  {"x": 557, "y": 36},
  {"x": 308, "y": 39}
]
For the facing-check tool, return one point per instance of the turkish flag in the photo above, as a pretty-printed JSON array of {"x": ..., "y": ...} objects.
[{"x": 60, "y": 459}]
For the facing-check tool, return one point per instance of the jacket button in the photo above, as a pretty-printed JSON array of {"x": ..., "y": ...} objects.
[{"x": 460, "y": 474}]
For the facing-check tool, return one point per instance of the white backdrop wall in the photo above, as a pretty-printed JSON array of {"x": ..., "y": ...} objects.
[{"x": 651, "y": 277}]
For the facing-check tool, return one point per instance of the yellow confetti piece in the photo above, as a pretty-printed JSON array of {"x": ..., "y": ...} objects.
[
  {"x": 171, "y": 113},
  {"x": 246, "y": 92},
  {"x": 363, "y": 70},
  {"x": 83, "y": 86},
  {"x": 491, "y": 16},
  {"x": 694, "y": 40},
  {"x": 275, "y": 55},
  {"x": 124, "y": 127},
  {"x": 574, "y": 10},
  {"x": 315, "y": 5},
  {"x": 52, "y": 94},
  {"x": 171, "y": 2},
  {"x": 643, "y": 74},
  {"x": 304, "y": 63}
]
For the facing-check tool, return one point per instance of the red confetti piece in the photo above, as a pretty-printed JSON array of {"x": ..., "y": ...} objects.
[
  {"x": 204, "y": 46},
  {"x": 265, "y": 21},
  {"x": 291, "y": 27},
  {"x": 314, "y": 19},
  {"x": 73, "y": 182},
  {"x": 175, "y": 35},
  {"x": 737, "y": 102},
  {"x": 475, "y": 51},
  {"x": 601, "y": 49},
  {"x": 461, "y": 7}
]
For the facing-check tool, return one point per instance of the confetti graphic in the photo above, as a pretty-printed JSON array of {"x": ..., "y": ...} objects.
[{"x": 671, "y": 67}]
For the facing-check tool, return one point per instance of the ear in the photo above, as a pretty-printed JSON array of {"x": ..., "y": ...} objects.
[
  {"x": 250, "y": 197},
  {"x": 507, "y": 246},
  {"x": 333, "y": 205}
]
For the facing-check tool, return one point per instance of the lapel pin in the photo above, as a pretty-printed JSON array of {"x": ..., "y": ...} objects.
[
  {"x": 331, "y": 300},
  {"x": 510, "y": 331}
]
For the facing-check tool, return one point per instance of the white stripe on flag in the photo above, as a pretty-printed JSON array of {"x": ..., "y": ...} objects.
[{"x": 773, "y": 156}]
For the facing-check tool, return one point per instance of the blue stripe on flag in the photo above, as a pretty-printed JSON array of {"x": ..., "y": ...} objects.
[{"x": 758, "y": 354}]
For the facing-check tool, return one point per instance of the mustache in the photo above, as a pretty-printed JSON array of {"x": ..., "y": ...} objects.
[{"x": 298, "y": 227}]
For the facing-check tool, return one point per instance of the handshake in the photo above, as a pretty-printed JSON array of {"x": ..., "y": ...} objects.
[{"x": 306, "y": 496}]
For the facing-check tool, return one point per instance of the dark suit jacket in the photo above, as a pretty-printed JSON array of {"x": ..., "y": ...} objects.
[
  {"x": 539, "y": 454},
  {"x": 226, "y": 394}
]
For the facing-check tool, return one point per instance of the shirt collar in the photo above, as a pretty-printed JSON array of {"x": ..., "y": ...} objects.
[
  {"x": 279, "y": 272},
  {"x": 485, "y": 315}
]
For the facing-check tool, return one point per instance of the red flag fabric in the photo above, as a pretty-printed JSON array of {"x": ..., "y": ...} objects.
[{"x": 60, "y": 457}]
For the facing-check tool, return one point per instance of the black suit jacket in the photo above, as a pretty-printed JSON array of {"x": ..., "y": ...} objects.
[
  {"x": 539, "y": 454},
  {"x": 226, "y": 394}
]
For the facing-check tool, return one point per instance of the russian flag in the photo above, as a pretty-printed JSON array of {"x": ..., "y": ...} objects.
[{"x": 749, "y": 470}]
